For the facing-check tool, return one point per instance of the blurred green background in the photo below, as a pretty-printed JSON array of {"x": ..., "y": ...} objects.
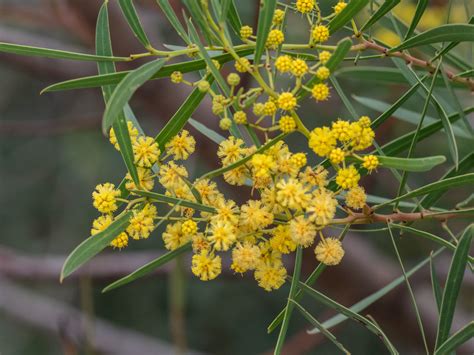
[{"x": 52, "y": 155}]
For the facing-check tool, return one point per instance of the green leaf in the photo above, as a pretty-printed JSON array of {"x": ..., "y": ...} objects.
[
  {"x": 437, "y": 291},
  {"x": 134, "y": 22},
  {"x": 444, "y": 33},
  {"x": 336, "y": 58},
  {"x": 115, "y": 78},
  {"x": 127, "y": 87},
  {"x": 349, "y": 313},
  {"x": 411, "y": 164},
  {"x": 453, "y": 286},
  {"x": 234, "y": 18},
  {"x": 466, "y": 74},
  {"x": 408, "y": 115},
  {"x": 320, "y": 327},
  {"x": 381, "y": 11},
  {"x": 217, "y": 172},
  {"x": 289, "y": 305},
  {"x": 197, "y": 15},
  {"x": 147, "y": 268},
  {"x": 179, "y": 119},
  {"x": 463, "y": 335},
  {"x": 265, "y": 18},
  {"x": 435, "y": 186},
  {"x": 153, "y": 196},
  {"x": 374, "y": 297},
  {"x": 120, "y": 126},
  {"x": 420, "y": 10},
  {"x": 209, "y": 133},
  {"x": 94, "y": 245},
  {"x": 347, "y": 14},
  {"x": 55, "y": 53},
  {"x": 465, "y": 165},
  {"x": 173, "y": 19}
]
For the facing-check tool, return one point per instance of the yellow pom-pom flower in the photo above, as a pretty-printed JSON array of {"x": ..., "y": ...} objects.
[
  {"x": 245, "y": 257},
  {"x": 258, "y": 109},
  {"x": 370, "y": 162},
  {"x": 364, "y": 121},
  {"x": 146, "y": 152},
  {"x": 176, "y": 77},
  {"x": 356, "y": 197},
  {"x": 299, "y": 160},
  {"x": 246, "y": 32},
  {"x": 181, "y": 146},
  {"x": 275, "y": 38},
  {"x": 189, "y": 227},
  {"x": 329, "y": 251},
  {"x": 173, "y": 237},
  {"x": 323, "y": 207},
  {"x": 324, "y": 57},
  {"x": 242, "y": 65},
  {"x": 287, "y": 124},
  {"x": 320, "y": 33},
  {"x": 222, "y": 235},
  {"x": 299, "y": 67},
  {"x": 283, "y": 63},
  {"x": 269, "y": 108},
  {"x": 287, "y": 101},
  {"x": 348, "y": 178},
  {"x": 170, "y": 175},
  {"x": 105, "y": 197},
  {"x": 305, "y": 6},
  {"x": 132, "y": 131},
  {"x": 292, "y": 194},
  {"x": 145, "y": 177},
  {"x": 278, "y": 16},
  {"x": 206, "y": 266},
  {"x": 337, "y": 156},
  {"x": 142, "y": 222},
  {"x": 281, "y": 239},
  {"x": 323, "y": 73},
  {"x": 342, "y": 130},
  {"x": 322, "y": 141},
  {"x": 302, "y": 231},
  {"x": 255, "y": 216},
  {"x": 270, "y": 276},
  {"x": 231, "y": 150},
  {"x": 320, "y": 92},
  {"x": 341, "y": 5},
  {"x": 240, "y": 117}
]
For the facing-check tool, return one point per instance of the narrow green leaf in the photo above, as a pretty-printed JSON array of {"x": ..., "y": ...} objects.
[
  {"x": 225, "y": 7},
  {"x": 115, "y": 78},
  {"x": 453, "y": 286},
  {"x": 153, "y": 196},
  {"x": 381, "y": 11},
  {"x": 437, "y": 291},
  {"x": 336, "y": 58},
  {"x": 265, "y": 18},
  {"x": 445, "y": 33},
  {"x": 349, "y": 313},
  {"x": 209, "y": 133},
  {"x": 466, "y": 74},
  {"x": 94, "y": 245},
  {"x": 412, "y": 164},
  {"x": 126, "y": 88},
  {"x": 465, "y": 165},
  {"x": 289, "y": 304},
  {"x": 120, "y": 126},
  {"x": 463, "y": 335},
  {"x": 197, "y": 15},
  {"x": 374, "y": 297},
  {"x": 347, "y": 14},
  {"x": 55, "y": 53},
  {"x": 234, "y": 18},
  {"x": 134, "y": 22},
  {"x": 420, "y": 10},
  {"x": 408, "y": 115},
  {"x": 148, "y": 268},
  {"x": 435, "y": 186},
  {"x": 173, "y": 19},
  {"x": 217, "y": 172},
  {"x": 320, "y": 327},
  {"x": 182, "y": 115}
]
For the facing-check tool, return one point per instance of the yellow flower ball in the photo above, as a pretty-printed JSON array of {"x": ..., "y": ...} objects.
[
  {"x": 105, "y": 197},
  {"x": 320, "y": 92},
  {"x": 286, "y": 101},
  {"x": 348, "y": 177},
  {"x": 283, "y": 63},
  {"x": 322, "y": 141},
  {"x": 329, "y": 251},
  {"x": 240, "y": 117},
  {"x": 206, "y": 266},
  {"x": 356, "y": 197},
  {"x": 270, "y": 276},
  {"x": 176, "y": 77},
  {"x": 370, "y": 162},
  {"x": 305, "y": 6},
  {"x": 320, "y": 33},
  {"x": 341, "y": 5},
  {"x": 299, "y": 67},
  {"x": 287, "y": 124},
  {"x": 323, "y": 73},
  {"x": 324, "y": 57},
  {"x": 242, "y": 65},
  {"x": 246, "y": 32},
  {"x": 337, "y": 156},
  {"x": 189, "y": 227},
  {"x": 146, "y": 152},
  {"x": 275, "y": 38},
  {"x": 278, "y": 16}
]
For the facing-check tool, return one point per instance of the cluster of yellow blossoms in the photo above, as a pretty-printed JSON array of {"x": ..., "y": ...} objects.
[{"x": 291, "y": 201}]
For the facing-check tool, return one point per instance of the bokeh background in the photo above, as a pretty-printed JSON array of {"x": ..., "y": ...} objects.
[{"x": 52, "y": 154}]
